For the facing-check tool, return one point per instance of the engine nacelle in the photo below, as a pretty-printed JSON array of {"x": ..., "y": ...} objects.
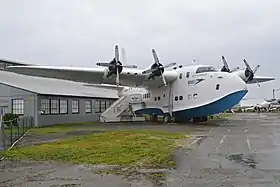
[{"x": 245, "y": 75}]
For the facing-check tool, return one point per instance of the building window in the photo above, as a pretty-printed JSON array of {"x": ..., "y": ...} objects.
[
  {"x": 217, "y": 86},
  {"x": 102, "y": 106},
  {"x": 158, "y": 98},
  {"x": 18, "y": 106},
  {"x": 181, "y": 98},
  {"x": 188, "y": 74},
  {"x": 108, "y": 104},
  {"x": 63, "y": 106},
  {"x": 88, "y": 106},
  {"x": 54, "y": 106},
  {"x": 97, "y": 106},
  {"x": 176, "y": 98},
  {"x": 45, "y": 106},
  {"x": 75, "y": 106}
]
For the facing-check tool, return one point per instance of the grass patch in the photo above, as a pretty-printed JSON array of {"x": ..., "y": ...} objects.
[
  {"x": 62, "y": 128},
  {"x": 221, "y": 116},
  {"x": 125, "y": 148}
]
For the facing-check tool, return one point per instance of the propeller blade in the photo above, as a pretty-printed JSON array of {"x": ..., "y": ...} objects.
[
  {"x": 104, "y": 64},
  {"x": 117, "y": 77},
  {"x": 169, "y": 65},
  {"x": 117, "y": 53},
  {"x": 193, "y": 60},
  {"x": 225, "y": 63},
  {"x": 163, "y": 79},
  {"x": 247, "y": 65},
  {"x": 155, "y": 56},
  {"x": 258, "y": 83},
  {"x": 256, "y": 68}
]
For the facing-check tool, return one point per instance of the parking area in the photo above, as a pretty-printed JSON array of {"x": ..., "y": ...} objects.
[{"x": 242, "y": 151}]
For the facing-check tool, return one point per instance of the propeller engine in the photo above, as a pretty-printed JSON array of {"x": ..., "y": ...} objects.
[
  {"x": 249, "y": 73},
  {"x": 115, "y": 66},
  {"x": 157, "y": 69}
]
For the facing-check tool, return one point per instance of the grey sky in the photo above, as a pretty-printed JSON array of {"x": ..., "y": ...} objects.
[{"x": 80, "y": 33}]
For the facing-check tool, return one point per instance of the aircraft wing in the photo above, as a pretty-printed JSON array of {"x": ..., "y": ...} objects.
[
  {"x": 128, "y": 77},
  {"x": 259, "y": 79}
]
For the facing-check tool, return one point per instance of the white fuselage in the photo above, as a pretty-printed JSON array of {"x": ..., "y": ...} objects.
[{"x": 193, "y": 94}]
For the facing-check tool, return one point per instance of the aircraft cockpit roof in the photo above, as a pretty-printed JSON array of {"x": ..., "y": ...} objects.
[{"x": 203, "y": 69}]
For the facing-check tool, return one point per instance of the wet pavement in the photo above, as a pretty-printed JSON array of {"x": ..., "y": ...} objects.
[{"x": 243, "y": 151}]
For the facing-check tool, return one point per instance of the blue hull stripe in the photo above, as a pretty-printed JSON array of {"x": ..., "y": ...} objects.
[{"x": 215, "y": 107}]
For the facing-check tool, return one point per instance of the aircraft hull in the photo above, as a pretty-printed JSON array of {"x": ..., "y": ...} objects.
[{"x": 215, "y": 107}]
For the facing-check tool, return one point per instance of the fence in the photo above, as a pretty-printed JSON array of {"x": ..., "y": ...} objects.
[{"x": 13, "y": 130}]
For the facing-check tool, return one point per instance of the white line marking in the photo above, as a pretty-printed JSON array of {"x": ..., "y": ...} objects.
[
  {"x": 194, "y": 141},
  {"x": 249, "y": 144},
  {"x": 221, "y": 142},
  {"x": 273, "y": 139}
]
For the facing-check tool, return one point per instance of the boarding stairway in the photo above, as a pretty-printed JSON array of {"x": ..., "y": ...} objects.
[{"x": 123, "y": 109}]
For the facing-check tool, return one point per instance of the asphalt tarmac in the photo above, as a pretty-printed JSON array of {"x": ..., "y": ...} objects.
[{"x": 243, "y": 151}]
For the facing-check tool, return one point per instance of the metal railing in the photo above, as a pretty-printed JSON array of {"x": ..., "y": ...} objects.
[{"x": 11, "y": 131}]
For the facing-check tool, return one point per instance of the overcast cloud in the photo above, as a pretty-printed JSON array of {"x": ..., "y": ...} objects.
[{"x": 81, "y": 32}]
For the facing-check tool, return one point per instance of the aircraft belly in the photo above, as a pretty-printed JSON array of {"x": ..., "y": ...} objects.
[{"x": 217, "y": 106}]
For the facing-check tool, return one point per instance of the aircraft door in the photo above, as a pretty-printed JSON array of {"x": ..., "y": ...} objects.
[{"x": 167, "y": 101}]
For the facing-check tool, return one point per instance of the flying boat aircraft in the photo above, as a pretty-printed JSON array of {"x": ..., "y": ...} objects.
[{"x": 179, "y": 94}]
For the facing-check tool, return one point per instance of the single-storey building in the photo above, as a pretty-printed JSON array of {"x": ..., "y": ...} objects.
[{"x": 52, "y": 101}]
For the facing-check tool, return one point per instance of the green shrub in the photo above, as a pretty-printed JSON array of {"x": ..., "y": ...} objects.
[{"x": 10, "y": 118}]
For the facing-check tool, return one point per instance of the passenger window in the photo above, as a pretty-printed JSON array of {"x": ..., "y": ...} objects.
[
  {"x": 180, "y": 76},
  {"x": 181, "y": 98},
  {"x": 188, "y": 74},
  {"x": 189, "y": 96},
  {"x": 195, "y": 95},
  {"x": 217, "y": 86},
  {"x": 155, "y": 98},
  {"x": 176, "y": 98}
]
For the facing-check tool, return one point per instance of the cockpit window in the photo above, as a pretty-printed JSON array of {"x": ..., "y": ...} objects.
[{"x": 206, "y": 69}]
